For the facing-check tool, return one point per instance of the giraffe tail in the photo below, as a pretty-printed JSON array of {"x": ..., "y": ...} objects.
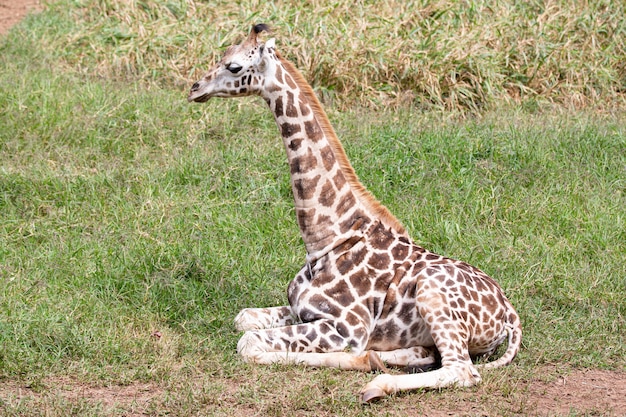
[{"x": 514, "y": 331}]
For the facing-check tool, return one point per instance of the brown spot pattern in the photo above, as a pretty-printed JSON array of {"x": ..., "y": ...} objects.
[
  {"x": 328, "y": 157},
  {"x": 313, "y": 131},
  {"x": 305, "y": 187},
  {"x": 291, "y": 110},
  {"x": 303, "y": 164},
  {"x": 289, "y": 129},
  {"x": 327, "y": 194}
]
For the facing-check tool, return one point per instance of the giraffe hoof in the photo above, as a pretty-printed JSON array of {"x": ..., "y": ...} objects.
[
  {"x": 369, "y": 395},
  {"x": 379, "y": 387}
]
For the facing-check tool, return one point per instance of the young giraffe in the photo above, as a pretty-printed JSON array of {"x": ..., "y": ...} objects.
[{"x": 367, "y": 294}]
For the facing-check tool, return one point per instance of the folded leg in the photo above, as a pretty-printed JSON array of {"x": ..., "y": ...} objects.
[
  {"x": 316, "y": 344},
  {"x": 414, "y": 357},
  {"x": 264, "y": 318}
]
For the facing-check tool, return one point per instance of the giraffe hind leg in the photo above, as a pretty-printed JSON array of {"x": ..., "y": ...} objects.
[
  {"x": 365, "y": 362},
  {"x": 264, "y": 318},
  {"x": 316, "y": 344}
]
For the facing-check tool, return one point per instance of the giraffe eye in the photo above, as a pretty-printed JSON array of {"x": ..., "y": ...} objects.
[{"x": 234, "y": 68}]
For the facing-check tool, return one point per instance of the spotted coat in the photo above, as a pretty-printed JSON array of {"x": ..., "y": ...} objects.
[{"x": 367, "y": 296}]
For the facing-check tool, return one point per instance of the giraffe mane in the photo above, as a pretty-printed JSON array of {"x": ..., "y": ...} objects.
[{"x": 363, "y": 194}]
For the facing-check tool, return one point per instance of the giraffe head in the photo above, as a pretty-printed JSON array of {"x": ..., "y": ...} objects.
[{"x": 241, "y": 71}]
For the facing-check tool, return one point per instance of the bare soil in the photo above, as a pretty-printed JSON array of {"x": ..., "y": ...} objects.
[
  {"x": 589, "y": 391},
  {"x": 12, "y": 11}
]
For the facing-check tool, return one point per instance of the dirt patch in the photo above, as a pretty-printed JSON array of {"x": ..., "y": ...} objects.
[
  {"x": 12, "y": 11},
  {"x": 131, "y": 400},
  {"x": 135, "y": 396},
  {"x": 590, "y": 391},
  {"x": 549, "y": 392}
]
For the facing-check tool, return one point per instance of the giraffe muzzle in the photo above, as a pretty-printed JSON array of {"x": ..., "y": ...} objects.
[
  {"x": 199, "y": 99},
  {"x": 197, "y": 96}
]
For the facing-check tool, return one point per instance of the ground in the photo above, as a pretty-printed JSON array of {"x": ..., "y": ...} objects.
[
  {"x": 550, "y": 391},
  {"x": 11, "y": 11}
]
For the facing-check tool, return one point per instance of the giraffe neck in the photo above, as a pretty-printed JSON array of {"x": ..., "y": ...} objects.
[{"x": 331, "y": 204}]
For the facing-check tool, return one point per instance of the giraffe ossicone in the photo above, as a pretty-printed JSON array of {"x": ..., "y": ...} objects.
[{"x": 367, "y": 295}]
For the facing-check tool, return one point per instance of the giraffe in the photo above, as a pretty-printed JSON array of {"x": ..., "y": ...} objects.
[{"x": 367, "y": 297}]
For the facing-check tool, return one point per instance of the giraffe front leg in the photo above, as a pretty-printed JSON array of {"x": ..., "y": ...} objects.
[
  {"x": 264, "y": 318},
  {"x": 316, "y": 344},
  {"x": 462, "y": 375}
]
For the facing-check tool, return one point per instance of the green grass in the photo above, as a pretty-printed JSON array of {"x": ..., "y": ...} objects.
[{"x": 125, "y": 211}]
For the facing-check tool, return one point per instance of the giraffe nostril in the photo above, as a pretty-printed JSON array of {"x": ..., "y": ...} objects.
[{"x": 195, "y": 86}]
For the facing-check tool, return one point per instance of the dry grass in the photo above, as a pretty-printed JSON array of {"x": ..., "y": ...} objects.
[{"x": 443, "y": 54}]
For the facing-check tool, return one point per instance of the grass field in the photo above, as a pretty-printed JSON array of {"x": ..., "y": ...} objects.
[{"x": 134, "y": 226}]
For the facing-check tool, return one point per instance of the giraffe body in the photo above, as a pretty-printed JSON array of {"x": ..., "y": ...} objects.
[{"x": 367, "y": 295}]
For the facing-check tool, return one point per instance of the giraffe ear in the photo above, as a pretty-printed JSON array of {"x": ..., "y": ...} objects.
[{"x": 263, "y": 55}]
